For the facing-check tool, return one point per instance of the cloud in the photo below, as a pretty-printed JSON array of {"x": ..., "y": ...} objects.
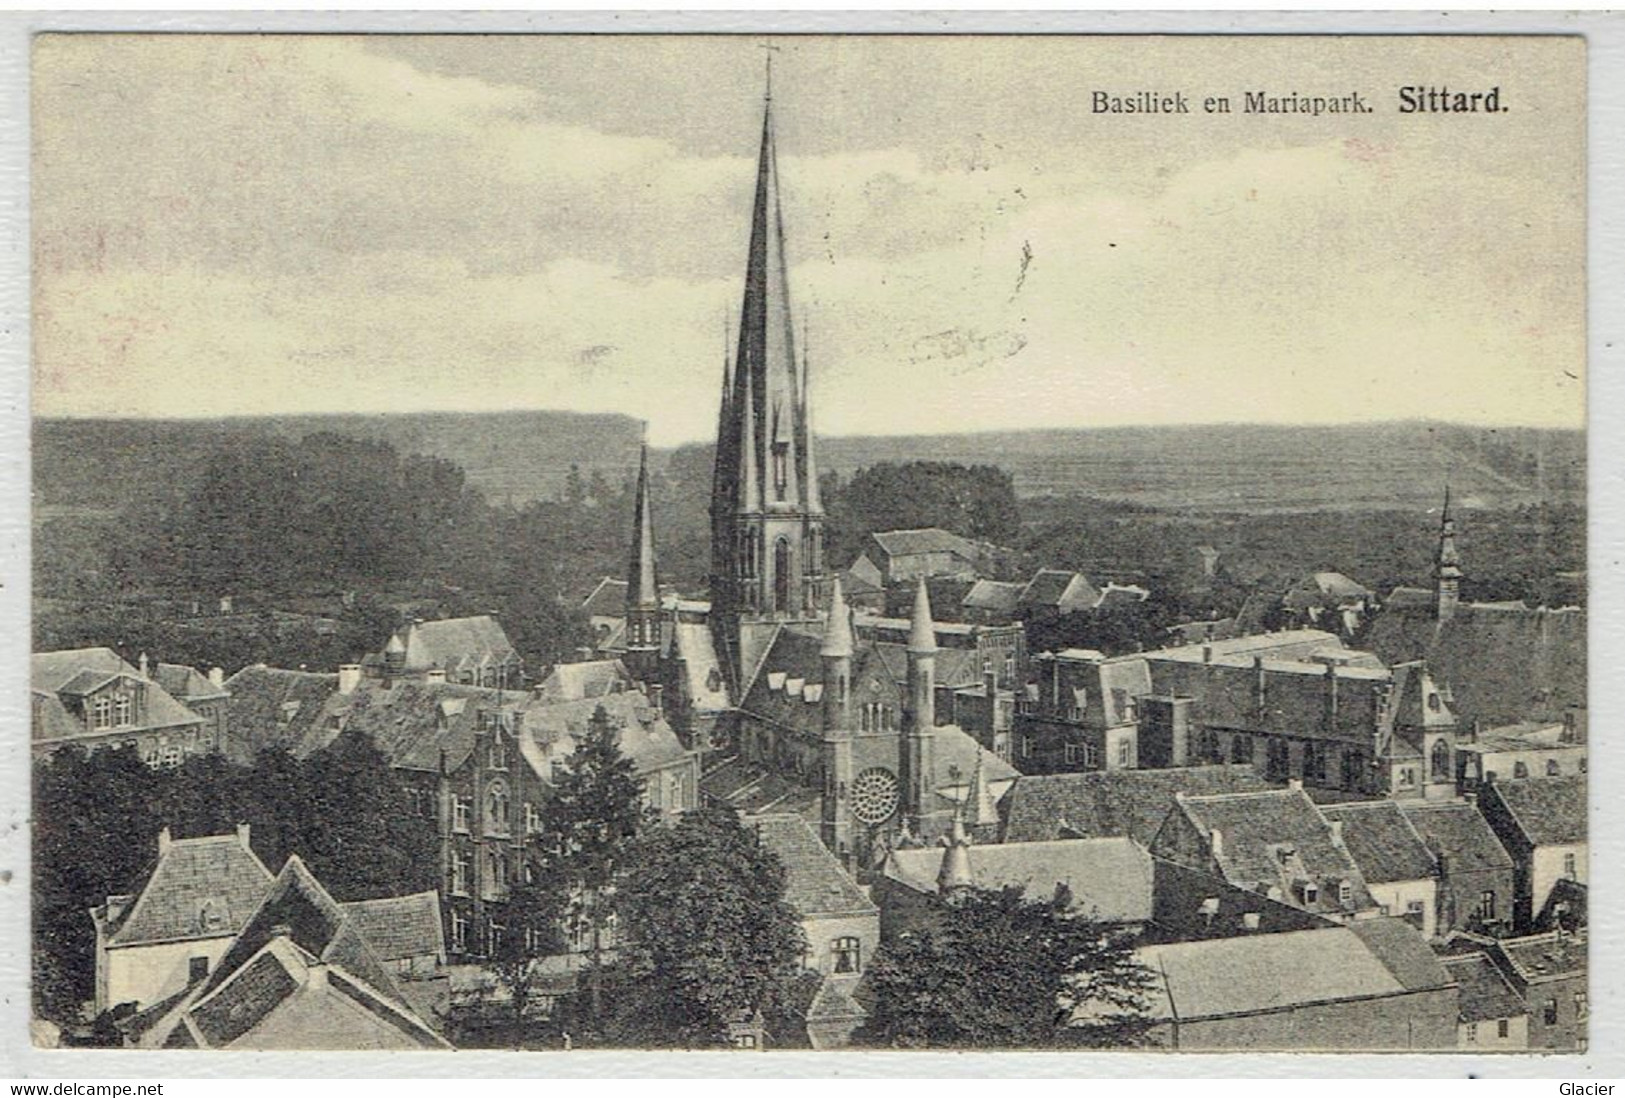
[
  {"x": 234, "y": 225},
  {"x": 966, "y": 350}
]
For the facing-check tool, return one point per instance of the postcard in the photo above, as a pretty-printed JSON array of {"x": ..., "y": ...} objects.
[{"x": 562, "y": 542}]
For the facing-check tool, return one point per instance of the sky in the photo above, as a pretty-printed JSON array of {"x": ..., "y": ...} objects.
[{"x": 236, "y": 225}]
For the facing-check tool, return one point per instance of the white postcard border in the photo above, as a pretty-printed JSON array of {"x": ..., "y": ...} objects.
[{"x": 1606, "y": 474}]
